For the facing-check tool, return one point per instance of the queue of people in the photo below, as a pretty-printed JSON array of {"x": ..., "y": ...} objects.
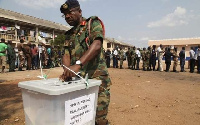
[
  {"x": 28, "y": 56},
  {"x": 150, "y": 56}
]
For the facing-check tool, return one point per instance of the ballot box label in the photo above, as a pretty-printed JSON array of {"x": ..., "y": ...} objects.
[{"x": 80, "y": 110}]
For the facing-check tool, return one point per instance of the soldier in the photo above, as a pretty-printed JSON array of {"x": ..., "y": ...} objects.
[
  {"x": 128, "y": 55},
  {"x": 107, "y": 56},
  {"x": 28, "y": 55},
  {"x": 121, "y": 57},
  {"x": 182, "y": 59},
  {"x": 175, "y": 59},
  {"x": 20, "y": 48},
  {"x": 150, "y": 58},
  {"x": 167, "y": 55},
  {"x": 44, "y": 55},
  {"x": 153, "y": 57},
  {"x": 133, "y": 58},
  {"x": 3, "y": 48},
  {"x": 11, "y": 57},
  {"x": 145, "y": 58},
  {"x": 84, "y": 53}
]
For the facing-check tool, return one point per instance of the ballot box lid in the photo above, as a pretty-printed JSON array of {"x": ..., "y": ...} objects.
[{"x": 55, "y": 87}]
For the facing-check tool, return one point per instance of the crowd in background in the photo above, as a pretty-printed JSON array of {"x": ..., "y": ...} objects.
[
  {"x": 31, "y": 57},
  {"x": 28, "y": 56},
  {"x": 151, "y": 56}
]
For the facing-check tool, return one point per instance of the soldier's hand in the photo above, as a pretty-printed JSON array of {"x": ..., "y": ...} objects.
[{"x": 67, "y": 74}]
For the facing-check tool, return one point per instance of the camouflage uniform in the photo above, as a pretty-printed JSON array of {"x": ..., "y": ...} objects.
[
  {"x": 21, "y": 55},
  {"x": 44, "y": 56},
  {"x": 75, "y": 46},
  {"x": 121, "y": 58},
  {"x": 133, "y": 59},
  {"x": 128, "y": 54},
  {"x": 175, "y": 59},
  {"x": 145, "y": 58}
]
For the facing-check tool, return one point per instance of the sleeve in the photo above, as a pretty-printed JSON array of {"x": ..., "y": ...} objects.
[
  {"x": 67, "y": 47},
  {"x": 96, "y": 30}
]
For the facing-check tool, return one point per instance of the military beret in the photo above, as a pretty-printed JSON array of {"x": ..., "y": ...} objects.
[{"x": 69, "y": 4}]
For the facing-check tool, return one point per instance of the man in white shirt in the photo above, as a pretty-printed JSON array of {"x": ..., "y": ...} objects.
[
  {"x": 138, "y": 55},
  {"x": 160, "y": 56},
  {"x": 192, "y": 60},
  {"x": 115, "y": 58}
]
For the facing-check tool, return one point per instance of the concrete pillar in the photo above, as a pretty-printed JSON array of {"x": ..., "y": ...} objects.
[
  {"x": 36, "y": 35},
  {"x": 15, "y": 32}
]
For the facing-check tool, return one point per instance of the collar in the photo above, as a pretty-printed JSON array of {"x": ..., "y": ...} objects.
[{"x": 83, "y": 23}]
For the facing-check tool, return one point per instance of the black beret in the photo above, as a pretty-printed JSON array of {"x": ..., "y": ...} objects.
[{"x": 69, "y": 4}]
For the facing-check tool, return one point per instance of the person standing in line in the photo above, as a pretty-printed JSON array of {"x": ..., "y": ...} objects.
[
  {"x": 115, "y": 58},
  {"x": 133, "y": 58},
  {"x": 121, "y": 57},
  {"x": 20, "y": 48},
  {"x": 160, "y": 57},
  {"x": 168, "y": 56},
  {"x": 150, "y": 57},
  {"x": 84, "y": 54},
  {"x": 3, "y": 48},
  {"x": 138, "y": 56},
  {"x": 198, "y": 59},
  {"x": 34, "y": 57},
  {"x": 153, "y": 57},
  {"x": 175, "y": 59},
  {"x": 107, "y": 56},
  {"x": 182, "y": 59},
  {"x": 192, "y": 60},
  {"x": 11, "y": 57},
  {"x": 128, "y": 55},
  {"x": 28, "y": 55}
]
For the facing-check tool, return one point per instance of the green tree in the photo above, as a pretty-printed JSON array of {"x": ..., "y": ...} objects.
[{"x": 58, "y": 41}]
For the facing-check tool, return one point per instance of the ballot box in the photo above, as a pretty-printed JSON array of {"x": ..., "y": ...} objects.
[{"x": 52, "y": 102}]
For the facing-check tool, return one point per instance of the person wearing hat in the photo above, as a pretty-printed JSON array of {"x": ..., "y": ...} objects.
[
  {"x": 84, "y": 53},
  {"x": 3, "y": 48}
]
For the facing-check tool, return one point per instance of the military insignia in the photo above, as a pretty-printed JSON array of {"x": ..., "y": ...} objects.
[{"x": 65, "y": 6}]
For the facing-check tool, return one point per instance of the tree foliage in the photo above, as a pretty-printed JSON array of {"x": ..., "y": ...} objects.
[{"x": 58, "y": 41}]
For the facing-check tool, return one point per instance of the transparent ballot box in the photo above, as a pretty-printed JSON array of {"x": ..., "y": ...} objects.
[{"x": 52, "y": 102}]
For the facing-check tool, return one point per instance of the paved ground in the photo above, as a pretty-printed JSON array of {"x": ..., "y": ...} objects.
[{"x": 137, "y": 97}]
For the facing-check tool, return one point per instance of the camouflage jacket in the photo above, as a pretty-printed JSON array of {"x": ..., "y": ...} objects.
[
  {"x": 121, "y": 54},
  {"x": 77, "y": 44},
  {"x": 175, "y": 56},
  {"x": 133, "y": 54}
]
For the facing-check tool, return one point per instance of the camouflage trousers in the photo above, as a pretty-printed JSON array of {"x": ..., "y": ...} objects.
[
  {"x": 21, "y": 59},
  {"x": 145, "y": 63},
  {"x": 133, "y": 63},
  {"x": 121, "y": 62},
  {"x": 103, "y": 100},
  {"x": 175, "y": 65},
  {"x": 129, "y": 61}
]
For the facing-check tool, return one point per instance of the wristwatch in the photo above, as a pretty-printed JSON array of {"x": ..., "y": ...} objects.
[{"x": 78, "y": 62}]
